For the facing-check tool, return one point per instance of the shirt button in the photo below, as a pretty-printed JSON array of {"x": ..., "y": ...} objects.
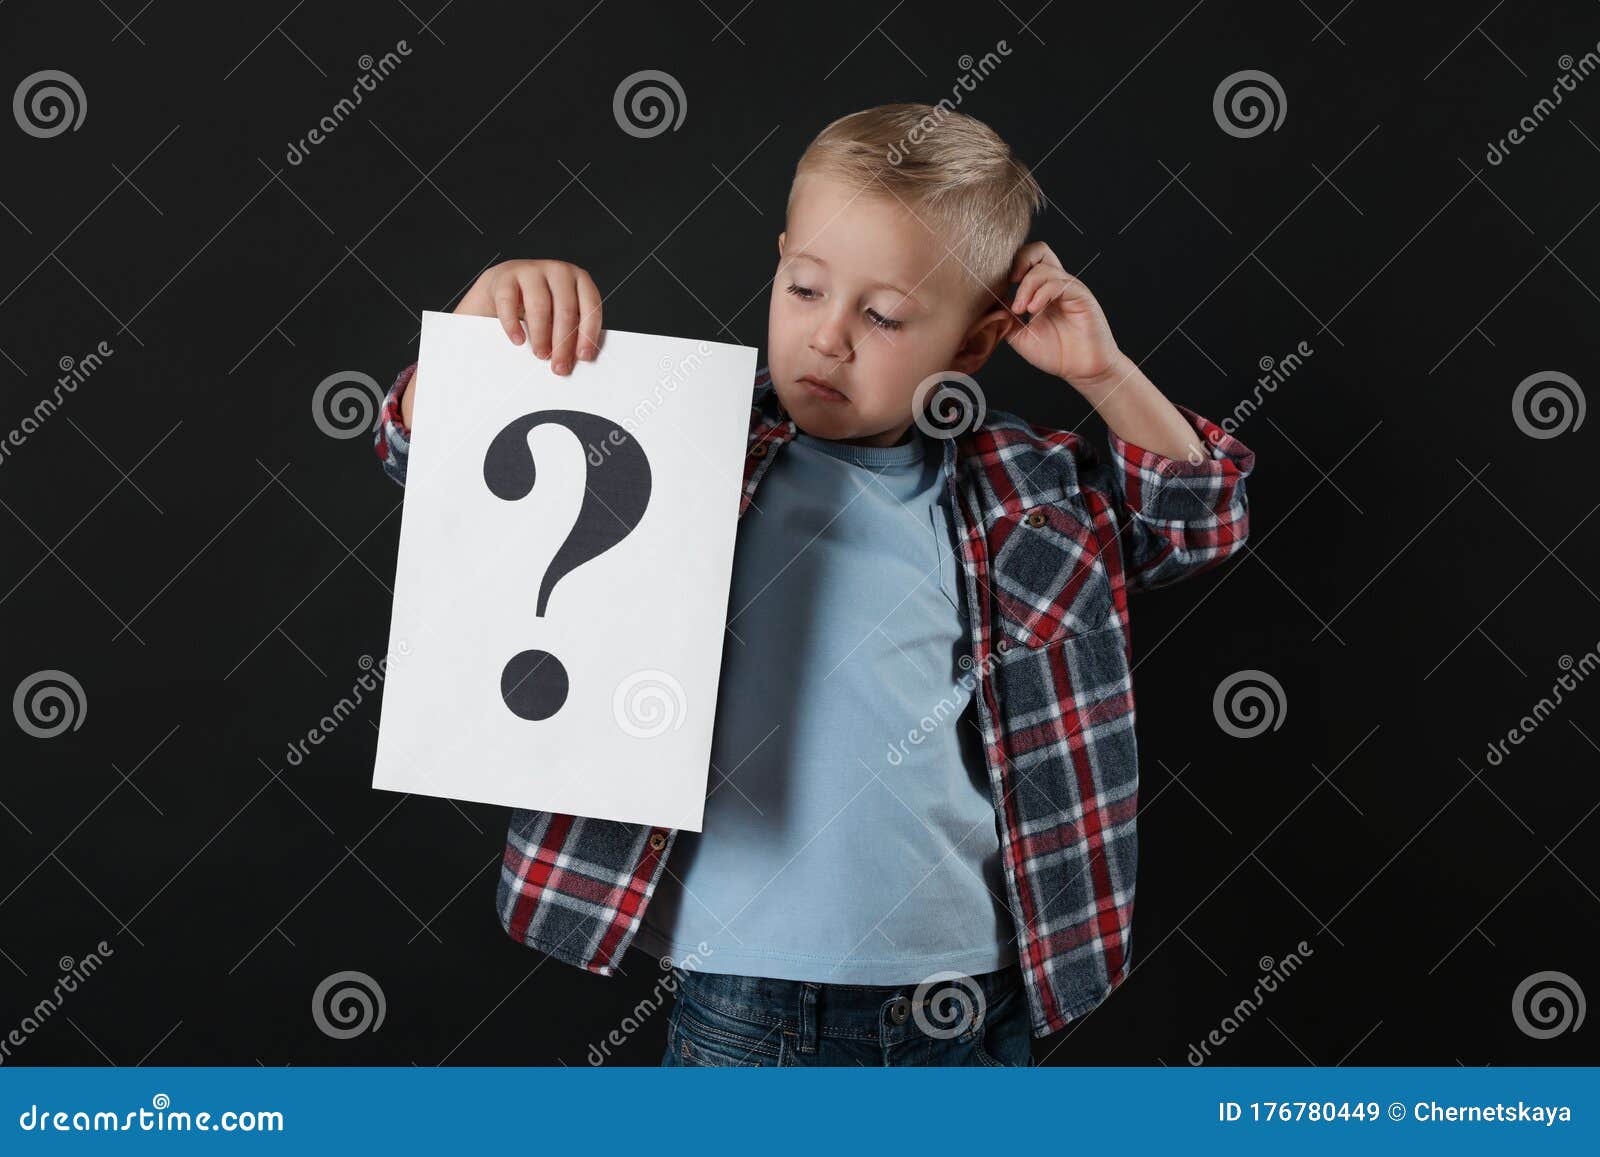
[
  {"x": 759, "y": 450},
  {"x": 1003, "y": 645},
  {"x": 900, "y": 1010},
  {"x": 1036, "y": 519},
  {"x": 658, "y": 840}
]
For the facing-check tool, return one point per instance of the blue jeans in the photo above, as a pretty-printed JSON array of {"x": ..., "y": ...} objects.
[{"x": 722, "y": 1019}]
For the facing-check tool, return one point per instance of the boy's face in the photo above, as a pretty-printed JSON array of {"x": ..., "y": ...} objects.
[{"x": 868, "y": 300}]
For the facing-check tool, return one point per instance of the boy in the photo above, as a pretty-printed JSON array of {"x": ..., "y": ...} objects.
[{"x": 919, "y": 845}]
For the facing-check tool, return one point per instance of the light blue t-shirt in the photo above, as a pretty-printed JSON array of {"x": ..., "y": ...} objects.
[{"x": 849, "y": 832}]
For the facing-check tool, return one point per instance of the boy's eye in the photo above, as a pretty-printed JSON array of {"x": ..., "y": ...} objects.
[{"x": 873, "y": 315}]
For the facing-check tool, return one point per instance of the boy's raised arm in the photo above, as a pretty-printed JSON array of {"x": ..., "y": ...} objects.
[{"x": 1177, "y": 479}]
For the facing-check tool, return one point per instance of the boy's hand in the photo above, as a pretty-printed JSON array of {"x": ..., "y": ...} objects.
[
  {"x": 558, "y": 300},
  {"x": 1066, "y": 333}
]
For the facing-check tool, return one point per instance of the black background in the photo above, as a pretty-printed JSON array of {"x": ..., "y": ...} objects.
[{"x": 185, "y": 541}]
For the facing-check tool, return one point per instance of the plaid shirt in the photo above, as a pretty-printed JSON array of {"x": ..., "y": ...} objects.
[{"x": 1054, "y": 540}]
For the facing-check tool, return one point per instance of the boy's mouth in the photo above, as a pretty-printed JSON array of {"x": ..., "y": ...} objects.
[{"x": 818, "y": 388}]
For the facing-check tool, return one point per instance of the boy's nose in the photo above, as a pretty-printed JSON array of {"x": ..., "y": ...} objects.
[{"x": 830, "y": 341}]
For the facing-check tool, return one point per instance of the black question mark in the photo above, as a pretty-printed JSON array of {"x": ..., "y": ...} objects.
[{"x": 616, "y": 491}]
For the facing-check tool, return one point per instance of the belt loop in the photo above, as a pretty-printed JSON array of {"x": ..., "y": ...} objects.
[{"x": 809, "y": 1029}]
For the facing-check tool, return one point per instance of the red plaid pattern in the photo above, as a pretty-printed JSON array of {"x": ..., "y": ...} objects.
[{"x": 1052, "y": 540}]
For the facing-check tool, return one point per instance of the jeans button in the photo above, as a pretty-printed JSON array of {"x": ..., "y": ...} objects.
[{"x": 900, "y": 1010}]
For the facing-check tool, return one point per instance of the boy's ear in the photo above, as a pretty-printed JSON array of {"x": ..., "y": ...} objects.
[{"x": 986, "y": 333}]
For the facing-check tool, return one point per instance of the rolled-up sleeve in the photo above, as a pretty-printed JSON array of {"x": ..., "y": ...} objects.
[
  {"x": 392, "y": 441},
  {"x": 1184, "y": 517}
]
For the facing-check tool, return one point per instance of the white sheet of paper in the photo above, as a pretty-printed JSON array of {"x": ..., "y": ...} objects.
[{"x": 638, "y": 628}]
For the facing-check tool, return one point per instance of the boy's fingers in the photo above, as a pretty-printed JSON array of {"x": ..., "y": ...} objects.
[
  {"x": 1069, "y": 287},
  {"x": 589, "y": 318},
  {"x": 536, "y": 308},
  {"x": 564, "y": 337},
  {"x": 1050, "y": 284},
  {"x": 507, "y": 307},
  {"x": 1027, "y": 257},
  {"x": 1047, "y": 293},
  {"x": 1030, "y": 283},
  {"x": 1035, "y": 255}
]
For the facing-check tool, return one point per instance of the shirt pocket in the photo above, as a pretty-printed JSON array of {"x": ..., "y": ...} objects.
[{"x": 1048, "y": 578}]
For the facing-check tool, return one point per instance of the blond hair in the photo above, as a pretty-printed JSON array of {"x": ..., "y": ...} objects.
[{"x": 950, "y": 169}]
